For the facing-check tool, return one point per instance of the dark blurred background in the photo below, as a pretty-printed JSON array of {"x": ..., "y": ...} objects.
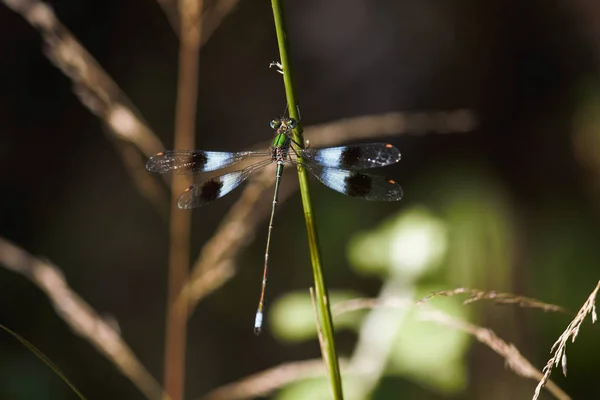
[{"x": 528, "y": 70}]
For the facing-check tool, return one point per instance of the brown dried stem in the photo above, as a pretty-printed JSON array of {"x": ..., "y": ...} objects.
[
  {"x": 170, "y": 9},
  {"x": 180, "y": 221},
  {"x": 211, "y": 18},
  {"x": 513, "y": 358},
  {"x": 98, "y": 92},
  {"x": 265, "y": 382},
  {"x": 496, "y": 297},
  {"x": 80, "y": 316},
  {"x": 391, "y": 124},
  {"x": 559, "y": 347}
]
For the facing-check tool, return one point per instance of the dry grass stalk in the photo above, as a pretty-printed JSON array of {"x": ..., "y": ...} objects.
[
  {"x": 148, "y": 187},
  {"x": 98, "y": 92},
  {"x": 80, "y": 316},
  {"x": 388, "y": 124},
  {"x": 513, "y": 358},
  {"x": 170, "y": 9},
  {"x": 393, "y": 123},
  {"x": 496, "y": 297},
  {"x": 265, "y": 382},
  {"x": 211, "y": 18},
  {"x": 559, "y": 347},
  {"x": 180, "y": 221}
]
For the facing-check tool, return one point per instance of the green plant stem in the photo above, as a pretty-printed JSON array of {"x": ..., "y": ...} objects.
[
  {"x": 329, "y": 355},
  {"x": 38, "y": 353}
]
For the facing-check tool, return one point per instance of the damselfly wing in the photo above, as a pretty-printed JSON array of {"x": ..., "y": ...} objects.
[{"x": 336, "y": 167}]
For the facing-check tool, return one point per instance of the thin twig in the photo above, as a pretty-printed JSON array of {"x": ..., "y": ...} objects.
[
  {"x": 212, "y": 18},
  {"x": 388, "y": 124},
  {"x": 265, "y": 382},
  {"x": 513, "y": 358},
  {"x": 394, "y": 123},
  {"x": 559, "y": 347},
  {"x": 180, "y": 221},
  {"x": 80, "y": 316},
  {"x": 170, "y": 9},
  {"x": 96, "y": 90},
  {"x": 496, "y": 297},
  {"x": 149, "y": 188}
]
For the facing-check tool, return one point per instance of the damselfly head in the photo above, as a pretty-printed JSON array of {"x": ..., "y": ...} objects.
[{"x": 283, "y": 123}]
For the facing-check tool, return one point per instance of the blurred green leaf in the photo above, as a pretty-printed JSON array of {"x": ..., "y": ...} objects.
[
  {"x": 410, "y": 244},
  {"x": 292, "y": 316},
  {"x": 317, "y": 388},
  {"x": 430, "y": 353}
]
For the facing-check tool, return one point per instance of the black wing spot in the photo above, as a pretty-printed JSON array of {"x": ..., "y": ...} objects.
[
  {"x": 211, "y": 190},
  {"x": 351, "y": 156},
  {"x": 198, "y": 159},
  {"x": 358, "y": 185}
]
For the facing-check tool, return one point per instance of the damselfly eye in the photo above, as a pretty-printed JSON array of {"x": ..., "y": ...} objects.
[
  {"x": 275, "y": 123},
  {"x": 292, "y": 123}
]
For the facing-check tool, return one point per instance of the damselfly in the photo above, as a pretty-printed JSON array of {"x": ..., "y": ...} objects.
[{"x": 336, "y": 167}]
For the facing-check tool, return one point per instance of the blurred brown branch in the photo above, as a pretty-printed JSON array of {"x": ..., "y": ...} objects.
[
  {"x": 80, "y": 316},
  {"x": 388, "y": 124},
  {"x": 215, "y": 263},
  {"x": 496, "y": 297},
  {"x": 265, "y": 382},
  {"x": 391, "y": 124},
  {"x": 170, "y": 9},
  {"x": 559, "y": 347},
  {"x": 180, "y": 221},
  {"x": 212, "y": 17},
  {"x": 513, "y": 358},
  {"x": 99, "y": 93}
]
